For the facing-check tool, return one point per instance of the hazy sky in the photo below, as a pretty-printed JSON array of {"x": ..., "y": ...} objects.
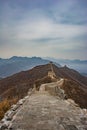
[{"x": 52, "y": 28}]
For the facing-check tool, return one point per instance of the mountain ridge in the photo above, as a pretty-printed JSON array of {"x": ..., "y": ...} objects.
[
  {"x": 19, "y": 84},
  {"x": 16, "y": 64},
  {"x": 77, "y": 64}
]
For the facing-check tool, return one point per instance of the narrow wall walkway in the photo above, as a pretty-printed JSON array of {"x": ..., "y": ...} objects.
[{"x": 42, "y": 111}]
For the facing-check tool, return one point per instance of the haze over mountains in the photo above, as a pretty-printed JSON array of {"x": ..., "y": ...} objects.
[
  {"x": 79, "y": 65},
  {"x": 16, "y": 64}
]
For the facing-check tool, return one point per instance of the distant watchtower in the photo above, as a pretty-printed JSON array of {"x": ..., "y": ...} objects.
[{"x": 51, "y": 73}]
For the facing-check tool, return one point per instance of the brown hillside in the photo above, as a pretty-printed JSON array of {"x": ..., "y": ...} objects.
[
  {"x": 17, "y": 86},
  {"x": 65, "y": 72},
  {"x": 74, "y": 91}
]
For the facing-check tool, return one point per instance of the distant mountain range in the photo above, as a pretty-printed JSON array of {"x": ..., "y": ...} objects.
[
  {"x": 79, "y": 65},
  {"x": 16, "y": 64}
]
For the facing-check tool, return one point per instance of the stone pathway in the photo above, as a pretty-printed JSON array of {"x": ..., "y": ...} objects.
[{"x": 42, "y": 111}]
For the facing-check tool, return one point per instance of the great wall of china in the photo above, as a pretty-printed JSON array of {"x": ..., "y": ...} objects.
[{"x": 46, "y": 109}]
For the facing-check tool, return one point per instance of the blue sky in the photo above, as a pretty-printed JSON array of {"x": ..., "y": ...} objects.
[{"x": 45, "y": 28}]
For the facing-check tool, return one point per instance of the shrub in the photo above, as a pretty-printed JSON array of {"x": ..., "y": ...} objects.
[{"x": 5, "y": 106}]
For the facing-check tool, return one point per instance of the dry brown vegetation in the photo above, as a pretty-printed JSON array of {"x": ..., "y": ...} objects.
[
  {"x": 74, "y": 91},
  {"x": 5, "y": 106},
  {"x": 65, "y": 72},
  {"x": 17, "y": 86}
]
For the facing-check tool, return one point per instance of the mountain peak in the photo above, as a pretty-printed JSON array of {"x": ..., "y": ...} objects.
[
  {"x": 34, "y": 57},
  {"x": 14, "y": 57}
]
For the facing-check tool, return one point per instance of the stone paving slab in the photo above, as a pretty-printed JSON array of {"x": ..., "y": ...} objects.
[{"x": 42, "y": 111}]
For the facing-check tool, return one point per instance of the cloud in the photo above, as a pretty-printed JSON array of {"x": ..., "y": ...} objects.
[
  {"x": 43, "y": 28},
  {"x": 56, "y": 28},
  {"x": 70, "y": 12}
]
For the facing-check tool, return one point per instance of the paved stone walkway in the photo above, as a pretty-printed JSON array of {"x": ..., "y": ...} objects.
[{"x": 42, "y": 111}]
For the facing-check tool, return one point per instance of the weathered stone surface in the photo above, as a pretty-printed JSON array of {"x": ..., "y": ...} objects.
[
  {"x": 54, "y": 88},
  {"x": 70, "y": 127},
  {"x": 43, "y": 111}
]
